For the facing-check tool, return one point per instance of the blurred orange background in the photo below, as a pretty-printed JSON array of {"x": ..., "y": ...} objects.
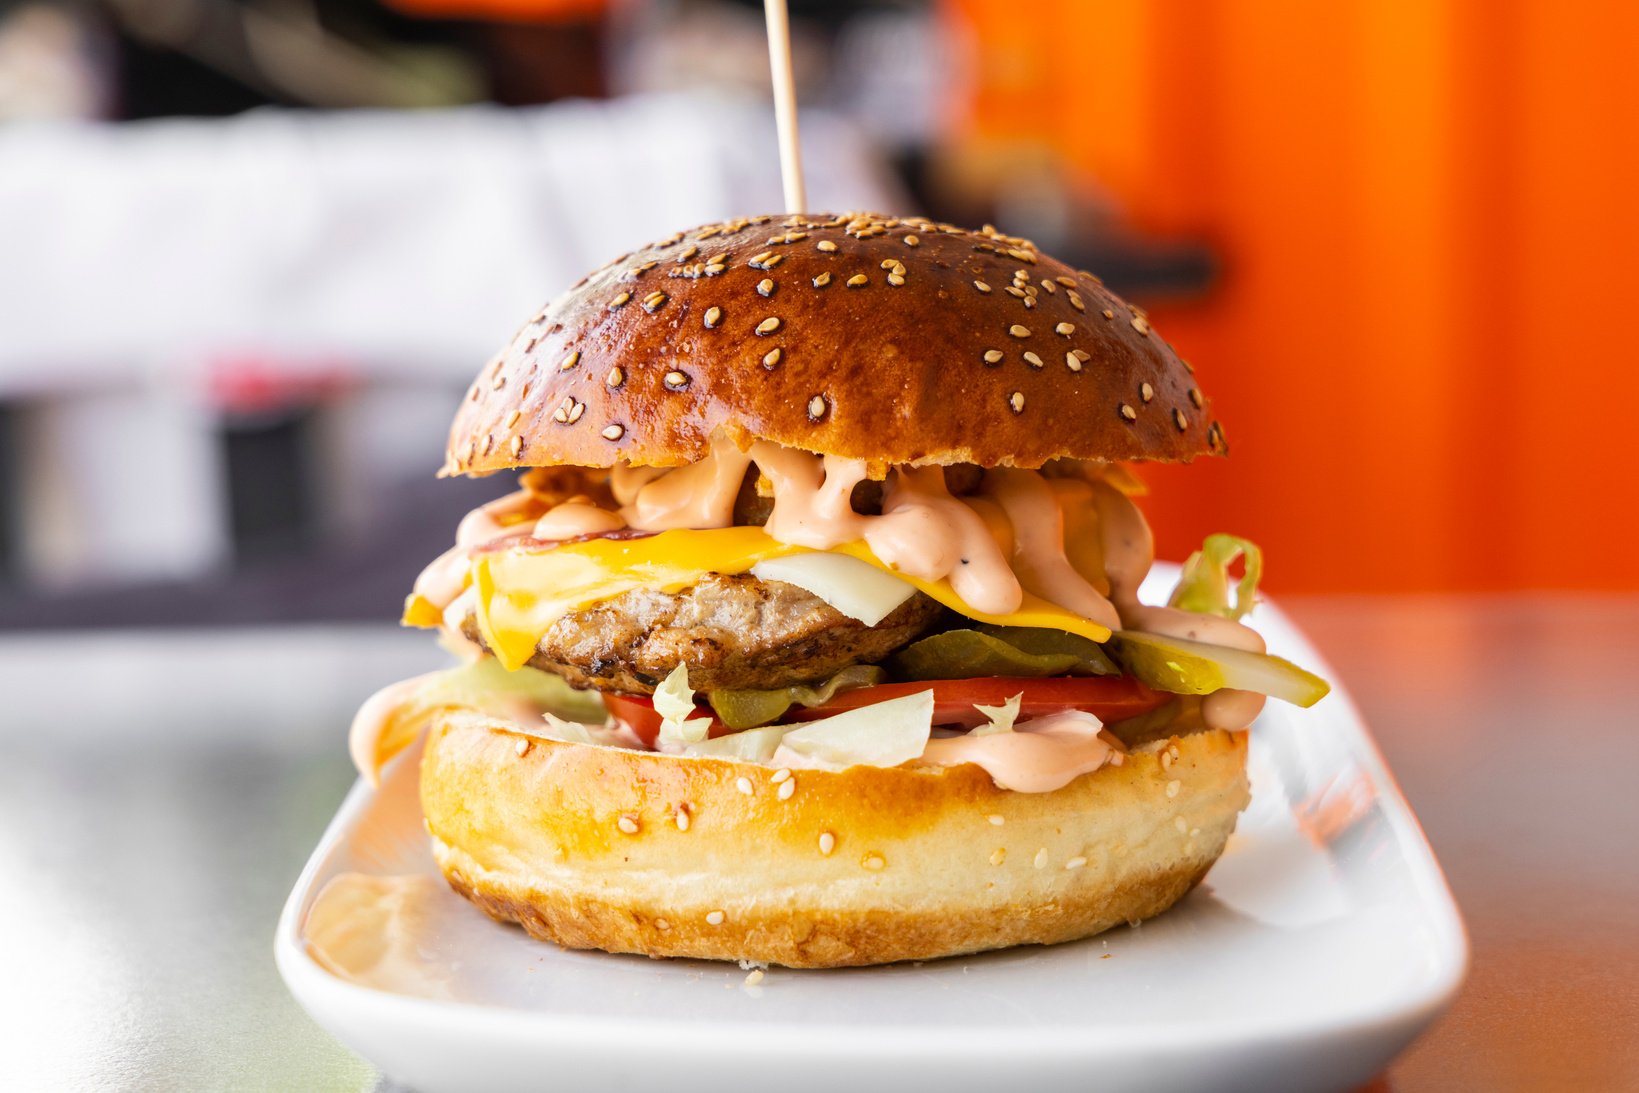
[{"x": 1426, "y": 216}]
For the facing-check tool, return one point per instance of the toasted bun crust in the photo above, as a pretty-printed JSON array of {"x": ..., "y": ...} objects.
[
  {"x": 583, "y": 846},
  {"x": 896, "y": 341}
]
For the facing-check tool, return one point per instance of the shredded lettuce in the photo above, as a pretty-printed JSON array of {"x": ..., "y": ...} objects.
[
  {"x": 752, "y": 745},
  {"x": 746, "y": 709},
  {"x": 674, "y": 702},
  {"x": 1204, "y": 586},
  {"x": 1001, "y": 717},
  {"x": 883, "y": 734},
  {"x": 484, "y": 681}
]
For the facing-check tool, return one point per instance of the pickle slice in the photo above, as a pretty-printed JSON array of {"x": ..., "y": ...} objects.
[
  {"x": 1187, "y": 667},
  {"x": 746, "y": 709},
  {"x": 1001, "y": 651}
]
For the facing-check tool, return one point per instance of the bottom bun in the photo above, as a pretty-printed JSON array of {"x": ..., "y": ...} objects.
[{"x": 637, "y": 852}]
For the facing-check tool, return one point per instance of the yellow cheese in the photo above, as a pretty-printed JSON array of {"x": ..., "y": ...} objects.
[
  {"x": 1033, "y": 611},
  {"x": 521, "y": 593}
]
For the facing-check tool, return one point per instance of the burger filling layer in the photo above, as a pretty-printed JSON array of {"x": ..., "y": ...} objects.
[{"x": 777, "y": 606}]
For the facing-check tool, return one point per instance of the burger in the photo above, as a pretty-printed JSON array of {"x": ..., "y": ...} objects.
[{"x": 812, "y": 634}]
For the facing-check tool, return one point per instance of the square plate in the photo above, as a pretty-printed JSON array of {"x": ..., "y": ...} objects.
[{"x": 1323, "y": 941}]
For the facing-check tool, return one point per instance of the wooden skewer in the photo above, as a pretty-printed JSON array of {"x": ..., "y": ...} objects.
[{"x": 785, "y": 104}]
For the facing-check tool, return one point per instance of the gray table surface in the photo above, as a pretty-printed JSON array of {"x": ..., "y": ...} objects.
[{"x": 160, "y": 792}]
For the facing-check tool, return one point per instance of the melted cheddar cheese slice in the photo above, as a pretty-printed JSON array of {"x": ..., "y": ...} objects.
[{"x": 521, "y": 593}]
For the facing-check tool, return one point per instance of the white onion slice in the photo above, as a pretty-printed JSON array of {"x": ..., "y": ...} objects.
[{"x": 855, "y": 588}]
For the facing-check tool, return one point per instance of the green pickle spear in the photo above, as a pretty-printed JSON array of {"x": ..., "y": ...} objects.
[{"x": 1185, "y": 667}]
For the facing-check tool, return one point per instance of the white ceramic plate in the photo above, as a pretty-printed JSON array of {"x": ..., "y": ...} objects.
[{"x": 1323, "y": 941}]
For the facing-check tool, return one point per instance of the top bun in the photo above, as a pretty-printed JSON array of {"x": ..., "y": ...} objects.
[{"x": 863, "y": 336}]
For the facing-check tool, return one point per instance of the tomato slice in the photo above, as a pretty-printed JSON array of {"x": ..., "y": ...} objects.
[{"x": 1109, "y": 698}]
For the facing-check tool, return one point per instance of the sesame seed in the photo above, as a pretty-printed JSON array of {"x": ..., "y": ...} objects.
[
  {"x": 1076, "y": 862},
  {"x": 1173, "y": 787},
  {"x": 1016, "y": 401},
  {"x": 1021, "y": 255},
  {"x": 754, "y": 977},
  {"x": 616, "y": 376},
  {"x": 662, "y": 924},
  {"x": 1128, "y": 413},
  {"x": 688, "y": 252},
  {"x": 713, "y": 268},
  {"x": 757, "y": 260},
  {"x": 1194, "y": 831},
  {"x": 522, "y": 748},
  {"x": 714, "y": 315},
  {"x": 512, "y": 419},
  {"x": 1195, "y": 396},
  {"x": 786, "y": 790},
  {"x": 827, "y": 246},
  {"x": 1180, "y": 420},
  {"x": 816, "y": 407},
  {"x": 1041, "y": 858},
  {"x": 766, "y": 287},
  {"x": 1081, "y": 355},
  {"x": 781, "y": 775},
  {"x": 873, "y": 861},
  {"x": 822, "y": 280},
  {"x": 576, "y": 411},
  {"x": 856, "y": 280},
  {"x": 911, "y": 241},
  {"x": 1108, "y": 314},
  {"x": 620, "y": 301},
  {"x": 743, "y": 784},
  {"x": 895, "y": 279},
  {"x": 981, "y": 286},
  {"x": 1019, "y": 331},
  {"x": 1049, "y": 286},
  {"x": 1072, "y": 362},
  {"x": 1141, "y": 324},
  {"x": 1066, "y": 329},
  {"x": 489, "y": 444},
  {"x": 715, "y": 918},
  {"x": 523, "y": 392},
  {"x": 653, "y": 301},
  {"x": 613, "y": 432},
  {"x": 827, "y": 843},
  {"x": 998, "y": 855},
  {"x": 1181, "y": 824},
  {"x": 676, "y": 380},
  {"x": 1029, "y": 301},
  {"x": 771, "y": 359},
  {"x": 1032, "y": 359},
  {"x": 682, "y": 818},
  {"x": 768, "y": 326},
  {"x": 994, "y": 356},
  {"x": 1146, "y": 392},
  {"x": 627, "y": 824},
  {"x": 517, "y": 446},
  {"x": 996, "y": 819},
  {"x": 569, "y": 362},
  {"x": 1166, "y": 760}
]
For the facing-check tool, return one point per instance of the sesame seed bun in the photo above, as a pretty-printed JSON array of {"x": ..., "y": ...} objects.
[
  {"x": 637, "y": 852},
  {"x": 864, "y": 336}
]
